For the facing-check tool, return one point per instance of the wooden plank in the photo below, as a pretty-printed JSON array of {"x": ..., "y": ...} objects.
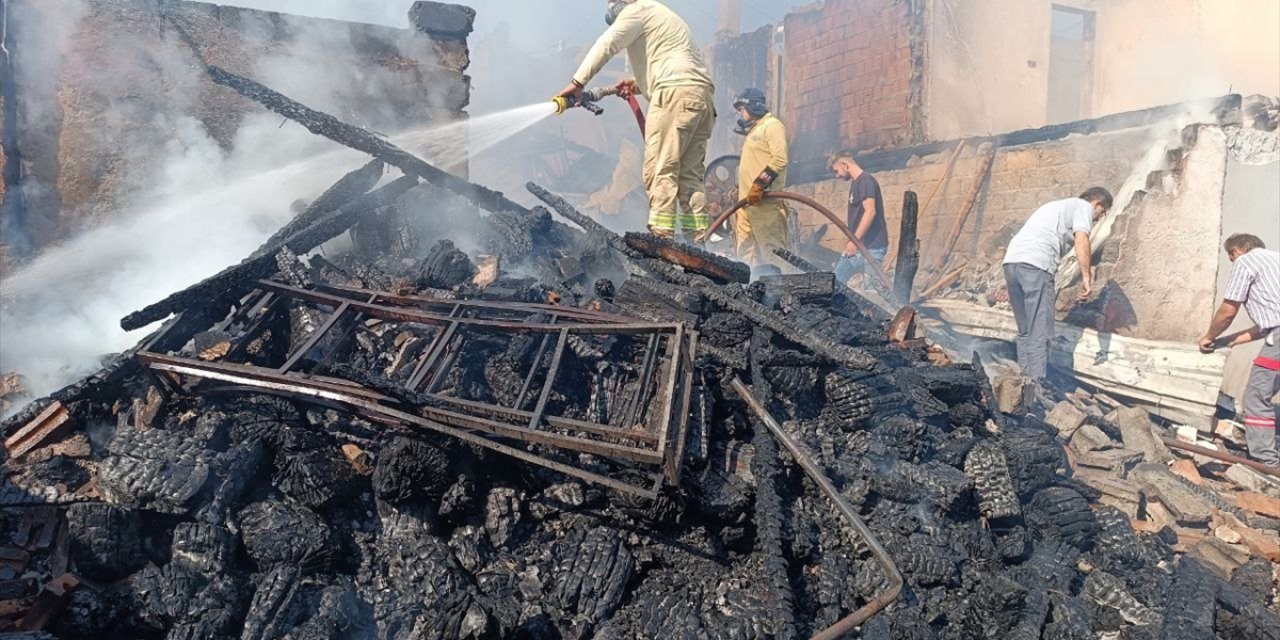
[
  {"x": 943, "y": 282},
  {"x": 908, "y": 259},
  {"x": 984, "y": 172}
]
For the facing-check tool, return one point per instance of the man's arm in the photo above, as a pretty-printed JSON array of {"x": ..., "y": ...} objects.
[
  {"x": 1222, "y": 319},
  {"x": 1084, "y": 254},
  {"x": 864, "y": 225},
  {"x": 625, "y": 30},
  {"x": 1238, "y": 288}
]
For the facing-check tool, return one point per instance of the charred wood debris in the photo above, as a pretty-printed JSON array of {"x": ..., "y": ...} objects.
[{"x": 625, "y": 440}]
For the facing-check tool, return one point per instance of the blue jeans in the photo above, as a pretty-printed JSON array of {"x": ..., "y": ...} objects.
[{"x": 849, "y": 267}]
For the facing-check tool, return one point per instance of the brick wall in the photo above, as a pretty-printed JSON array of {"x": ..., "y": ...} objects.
[
  {"x": 852, "y": 76},
  {"x": 1022, "y": 178}
]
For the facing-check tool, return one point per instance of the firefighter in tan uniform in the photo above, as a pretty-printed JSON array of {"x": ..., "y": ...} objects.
[
  {"x": 761, "y": 226},
  {"x": 672, "y": 75}
]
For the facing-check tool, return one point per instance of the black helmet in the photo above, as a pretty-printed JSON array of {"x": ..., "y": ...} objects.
[
  {"x": 615, "y": 7},
  {"x": 754, "y": 101}
]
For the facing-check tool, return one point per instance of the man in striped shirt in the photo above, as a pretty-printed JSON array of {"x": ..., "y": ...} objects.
[{"x": 1255, "y": 284}]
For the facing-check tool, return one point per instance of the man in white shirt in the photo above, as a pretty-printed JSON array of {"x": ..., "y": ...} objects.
[
  {"x": 1031, "y": 262},
  {"x": 1255, "y": 285},
  {"x": 672, "y": 74}
]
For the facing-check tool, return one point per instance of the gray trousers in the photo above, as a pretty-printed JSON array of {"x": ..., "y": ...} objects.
[
  {"x": 1032, "y": 296},
  {"x": 1259, "y": 414}
]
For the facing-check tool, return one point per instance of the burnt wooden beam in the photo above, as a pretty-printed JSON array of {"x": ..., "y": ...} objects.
[
  {"x": 348, "y": 187},
  {"x": 352, "y": 136},
  {"x": 691, "y": 258},
  {"x": 904, "y": 271}
]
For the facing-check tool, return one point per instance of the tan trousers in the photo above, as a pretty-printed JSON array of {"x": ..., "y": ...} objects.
[
  {"x": 677, "y": 130},
  {"x": 760, "y": 229}
]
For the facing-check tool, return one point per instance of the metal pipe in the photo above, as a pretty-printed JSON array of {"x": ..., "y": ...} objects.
[
  {"x": 816, "y": 206},
  {"x": 1224, "y": 457},
  {"x": 884, "y": 599}
]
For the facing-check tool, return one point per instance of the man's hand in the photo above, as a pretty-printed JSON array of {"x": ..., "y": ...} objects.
[
  {"x": 1206, "y": 344},
  {"x": 1086, "y": 290},
  {"x": 850, "y": 250},
  {"x": 627, "y": 88},
  {"x": 755, "y": 195},
  {"x": 574, "y": 89}
]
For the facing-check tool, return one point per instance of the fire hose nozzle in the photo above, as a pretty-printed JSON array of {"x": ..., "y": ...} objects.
[{"x": 587, "y": 100}]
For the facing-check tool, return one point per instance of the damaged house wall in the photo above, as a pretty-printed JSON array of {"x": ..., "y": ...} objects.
[
  {"x": 874, "y": 74},
  {"x": 991, "y": 66},
  {"x": 104, "y": 87}
]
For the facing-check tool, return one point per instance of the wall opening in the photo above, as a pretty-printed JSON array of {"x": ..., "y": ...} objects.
[{"x": 1071, "y": 52}]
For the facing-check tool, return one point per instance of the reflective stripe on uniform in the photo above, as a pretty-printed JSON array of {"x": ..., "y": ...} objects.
[
  {"x": 1259, "y": 422},
  {"x": 698, "y": 221},
  {"x": 662, "y": 220}
]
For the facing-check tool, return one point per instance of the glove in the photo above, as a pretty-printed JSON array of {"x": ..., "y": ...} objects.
[{"x": 758, "y": 186}]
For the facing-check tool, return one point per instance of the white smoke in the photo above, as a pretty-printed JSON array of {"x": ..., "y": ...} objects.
[{"x": 206, "y": 205}]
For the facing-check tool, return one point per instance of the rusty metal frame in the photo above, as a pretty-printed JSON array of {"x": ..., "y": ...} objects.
[{"x": 654, "y": 416}]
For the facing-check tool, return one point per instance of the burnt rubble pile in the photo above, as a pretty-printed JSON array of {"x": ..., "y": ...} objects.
[{"x": 412, "y": 442}]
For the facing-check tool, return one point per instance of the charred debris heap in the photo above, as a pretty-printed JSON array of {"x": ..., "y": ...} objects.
[{"x": 410, "y": 442}]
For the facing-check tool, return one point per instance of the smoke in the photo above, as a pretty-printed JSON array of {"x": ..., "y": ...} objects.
[
  {"x": 202, "y": 197},
  {"x": 61, "y": 313},
  {"x": 34, "y": 110}
]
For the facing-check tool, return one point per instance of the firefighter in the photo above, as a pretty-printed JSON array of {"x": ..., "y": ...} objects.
[
  {"x": 761, "y": 226},
  {"x": 672, "y": 75}
]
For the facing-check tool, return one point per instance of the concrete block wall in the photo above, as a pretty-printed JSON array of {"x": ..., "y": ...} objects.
[
  {"x": 1022, "y": 178},
  {"x": 1159, "y": 280}
]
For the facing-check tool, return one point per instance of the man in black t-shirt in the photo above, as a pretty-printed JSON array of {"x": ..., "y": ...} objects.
[{"x": 866, "y": 215}]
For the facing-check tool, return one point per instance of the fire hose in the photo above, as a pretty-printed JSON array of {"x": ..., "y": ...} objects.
[{"x": 810, "y": 202}]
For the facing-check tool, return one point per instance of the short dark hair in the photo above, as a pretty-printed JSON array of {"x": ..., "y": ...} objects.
[
  {"x": 1098, "y": 195},
  {"x": 841, "y": 154},
  {"x": 1244, "y": 242}
]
